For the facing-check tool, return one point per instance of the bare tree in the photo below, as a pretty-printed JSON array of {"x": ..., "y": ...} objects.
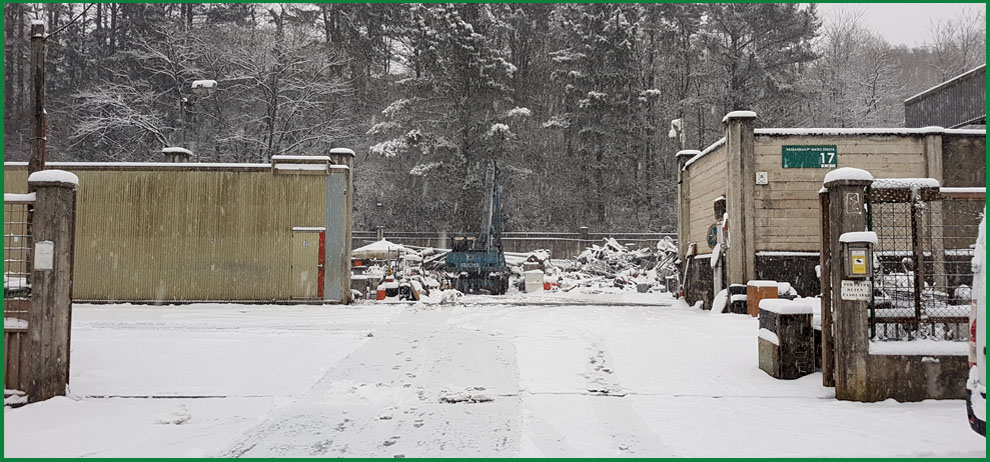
[{"x": 958, "y": 44}]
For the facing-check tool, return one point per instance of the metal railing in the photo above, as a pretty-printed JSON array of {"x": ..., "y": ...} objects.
[{"x": 922, "y": 274}]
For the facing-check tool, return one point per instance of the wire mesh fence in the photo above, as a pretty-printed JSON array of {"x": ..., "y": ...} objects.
[
  {"x": 17, "y": 244},
  {"x": 922, "y": 274}
]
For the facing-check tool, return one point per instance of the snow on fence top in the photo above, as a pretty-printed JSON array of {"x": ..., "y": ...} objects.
[
  {"x": 893, "y": 183},
  {"x": 847, "y": 173},
  {"x": 920, "y": 347},
  {"x": 284, "y": 158},
  {"x": 950, "y": 190},
  {"x": 307, "y": 167},
  {"x": 342, "y": 151},
  {"x": 865, "y": 131},
  {"x": 176, "y": 150},
  {"x": 739, "y": 115},
  {"x": 18, "y": 198},
  {"x": 859, "y": 236},
  {"x": 785, "y": 306},
  {"x": 707, "y": 150},
  {"x": 142, "y": 165},
  {"x": 53, "y": 176}
]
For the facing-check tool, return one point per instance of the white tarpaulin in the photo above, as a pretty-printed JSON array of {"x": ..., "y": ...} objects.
[{"x": 380, "y": 249}]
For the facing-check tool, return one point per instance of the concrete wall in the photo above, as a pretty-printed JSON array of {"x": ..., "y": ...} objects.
[
  {"x": 915, "y": 378},
  {"x": 798, "y": 270},
  {"x": 187, "y": 232},
  {"x": 787, "y": 209},
  {"x": 708, "y": 178},
  {"x": 964, "y": 161}
]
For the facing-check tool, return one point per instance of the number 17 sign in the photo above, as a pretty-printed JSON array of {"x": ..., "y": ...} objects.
[{"x": 809, "y": 156}]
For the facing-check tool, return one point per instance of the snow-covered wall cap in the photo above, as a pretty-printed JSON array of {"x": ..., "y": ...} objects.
[
  {"x": 859, "y": 236},
  {"x": 342, "y": 151},
  {"x": 761, "y": 283},
  {"x": 37, "y": 22},
  {"x": 707, "y": 150},
  {"x": 687, "y": 152},
  {"x": 785, "y": 306},
  {"x": 176, "y": 150},
  {"x": 739, "y": 115},
  {"x": 932, "y": 130},
  {"x": 895, "y": 183},
  {"x": 54, "y": 176},
  {"x": 846, "y": 174},
  {"x": 283, "y": 158},
  {"x": 866, "y": 131}
]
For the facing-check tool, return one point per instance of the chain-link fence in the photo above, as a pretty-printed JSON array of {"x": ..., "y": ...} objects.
[{"x": 922, "y": 274}]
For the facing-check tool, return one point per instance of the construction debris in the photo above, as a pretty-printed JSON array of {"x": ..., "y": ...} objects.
[{"x": 610, "y": 264}]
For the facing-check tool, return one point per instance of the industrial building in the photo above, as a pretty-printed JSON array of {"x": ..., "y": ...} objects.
[
  {"x": 960, "y": 102},
  {"x": 185, "y": 232},
  {"x": 762, "y": 185}
]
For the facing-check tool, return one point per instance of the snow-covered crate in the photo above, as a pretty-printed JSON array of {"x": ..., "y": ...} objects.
[
  {"x": 757, "y": 290},
  {"x": 786, "y": 338},
  {"x": 737, "y": 298}
]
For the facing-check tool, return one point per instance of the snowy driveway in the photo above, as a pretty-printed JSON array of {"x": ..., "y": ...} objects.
[{"x": 483, "y": 378}]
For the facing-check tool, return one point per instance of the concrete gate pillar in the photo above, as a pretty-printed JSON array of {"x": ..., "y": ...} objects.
[
  {"x": 741, "y": 175},
  {"x": 49, "y": 326},
  {"x": 850, "y": 323}
]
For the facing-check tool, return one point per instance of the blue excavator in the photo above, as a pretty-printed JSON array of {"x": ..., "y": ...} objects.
[{"x": 477, "y": 264}]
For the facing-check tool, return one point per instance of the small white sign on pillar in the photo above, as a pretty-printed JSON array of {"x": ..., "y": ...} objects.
[
  {"x": 44, "y": 255},
  {"x": 856, "y": 290}
]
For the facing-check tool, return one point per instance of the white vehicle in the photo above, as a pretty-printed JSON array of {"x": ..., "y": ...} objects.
[{"x": 976, "y": 386}]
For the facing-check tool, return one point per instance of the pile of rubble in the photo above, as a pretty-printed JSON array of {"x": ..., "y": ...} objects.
[
  {"x": 610, "y": 264},
  {"x": 646, "y": 269}
]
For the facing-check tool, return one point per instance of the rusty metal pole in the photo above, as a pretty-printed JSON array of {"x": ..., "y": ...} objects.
[{"x": 37, "y": 161}]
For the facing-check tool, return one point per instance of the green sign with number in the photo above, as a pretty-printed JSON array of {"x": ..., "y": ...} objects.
[{"x": 809, "y": 156}]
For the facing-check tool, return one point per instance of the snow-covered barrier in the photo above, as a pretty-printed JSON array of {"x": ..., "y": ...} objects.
[{"x": 786, "y": 338}]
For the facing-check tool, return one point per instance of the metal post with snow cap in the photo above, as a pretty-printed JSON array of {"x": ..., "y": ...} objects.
[{"x": 845, "y": 326}]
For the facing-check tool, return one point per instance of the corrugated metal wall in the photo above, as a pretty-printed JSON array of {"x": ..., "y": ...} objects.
[
  {"x": 952, "y": 104},
  {"x": 184, "y": 234}
]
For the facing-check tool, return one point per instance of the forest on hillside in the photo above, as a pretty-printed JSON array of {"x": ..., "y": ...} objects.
[{"x": 575, "y": 101}]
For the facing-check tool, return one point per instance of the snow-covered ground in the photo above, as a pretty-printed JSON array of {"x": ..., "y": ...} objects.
[{"x": 521, "y": 375}]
